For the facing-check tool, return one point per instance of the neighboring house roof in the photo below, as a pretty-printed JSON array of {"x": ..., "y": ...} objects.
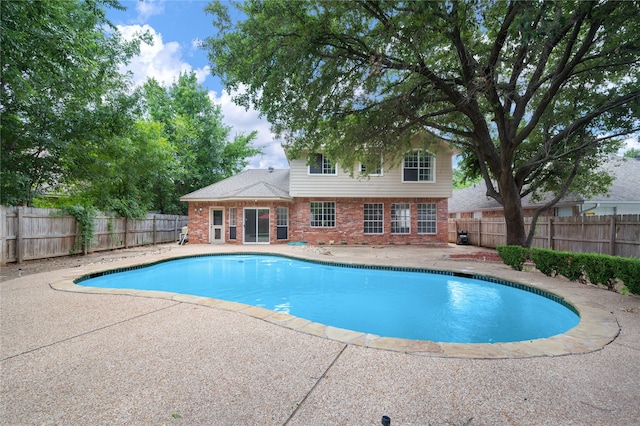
[
  {"x": 625, "y": 172},
  {"x": 249, "y": 184}
]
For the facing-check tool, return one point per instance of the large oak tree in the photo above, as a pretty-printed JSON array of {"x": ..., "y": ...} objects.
[{"x": 533, "y": 93}]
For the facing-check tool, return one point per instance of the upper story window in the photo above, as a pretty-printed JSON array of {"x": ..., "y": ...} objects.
[
  {"x": 321, "y": 165},
  {"x": 418, "y": 166},
  {"x": 376, "y": 172}
]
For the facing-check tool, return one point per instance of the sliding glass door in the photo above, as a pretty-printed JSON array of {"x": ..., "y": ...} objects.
[{"x": 256, "y": 225}]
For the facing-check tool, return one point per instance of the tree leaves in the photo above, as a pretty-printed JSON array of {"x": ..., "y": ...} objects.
[{"x": 517, "y": 85}]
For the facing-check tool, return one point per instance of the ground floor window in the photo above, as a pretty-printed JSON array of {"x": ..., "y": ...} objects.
[
  {"x": 323, "y": 214},
  {"x": 232, "y": 223},
  {"x": 427, "y": 218},
  {"x": 373, "y": 218},
  {"x": 282, "y": 223},
  {"x": 400, "y": 218}
]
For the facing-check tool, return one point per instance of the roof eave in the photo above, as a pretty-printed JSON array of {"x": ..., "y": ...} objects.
[{"x": 220, "y": 199}]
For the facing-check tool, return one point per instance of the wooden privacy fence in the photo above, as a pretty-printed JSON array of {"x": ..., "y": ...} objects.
[
  {"x": 615, "y": 235},
  {"x": 31, "y": 233}
]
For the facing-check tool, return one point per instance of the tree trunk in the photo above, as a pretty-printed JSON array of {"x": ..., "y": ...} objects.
[{"x": 513, "y": 214}]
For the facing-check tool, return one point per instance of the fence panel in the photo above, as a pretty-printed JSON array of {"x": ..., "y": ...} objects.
[
  {"x": 493, "y": 232},
  {"x": 30, "y": 233},
  {"x": 615, "y": 235},
  {"x": 627, "y": 235}
]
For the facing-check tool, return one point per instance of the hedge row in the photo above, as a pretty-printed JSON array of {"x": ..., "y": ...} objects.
[{"x": 595, "y": 268}]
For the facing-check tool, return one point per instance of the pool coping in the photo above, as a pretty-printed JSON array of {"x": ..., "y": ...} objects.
[{"x": 597, "y": 327}]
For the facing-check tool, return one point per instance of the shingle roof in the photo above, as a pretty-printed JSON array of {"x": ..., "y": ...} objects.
[
  {"x": 249, "y": 184},
  {"x": 626, "y": 172}
]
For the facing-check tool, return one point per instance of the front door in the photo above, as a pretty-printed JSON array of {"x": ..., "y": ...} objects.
[
  {"x": 216, "y": 226},
  {"x": 256, "y": 225}
]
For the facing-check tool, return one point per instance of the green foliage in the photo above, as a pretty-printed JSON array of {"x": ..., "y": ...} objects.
[
  {"x": 596, "y": 268},
  {"x": 600, "y": 269},
  {"x": 61, "y": 87},
  {"x": 533, "y": 94},
  {"x": 627, "y": 270},
  {"x": 462, "y": 180},
  {"x": 552, "y": 263},
  {"x": 194, "y": 127},
  {"x": 547, "y": 261},
  {"x": 572, "y": 266},
  {"x": 85, "y": 217},
  {"x": 632, "y": 153},
  {"x": 514, "y": 256}
]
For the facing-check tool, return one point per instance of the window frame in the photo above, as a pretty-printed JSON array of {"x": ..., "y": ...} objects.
[
  {"x": 418, "y": 156},
  {"x": 426, "y": 222},
  {"x": 233, "y": 223},
  {"x": 322, "y": 165},
  {"x": 379, "y": 171},
  {"x": 327, "y": 214},
  {"x": 378, "y": 221},
  {"x": 403, "y": 219},
  {"x": 282, "y": 223}
]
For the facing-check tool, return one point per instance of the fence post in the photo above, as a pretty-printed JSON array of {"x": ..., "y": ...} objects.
[
  {"x": 154, "y": 230},
  {"x": 126, "y": 232},
  {"x": 3, "y": 235},
  {"x": 613, "y": 235},
  {"x": 550, "y": 233},
  {"x": 479, "y": 232},
  {"x": 19, "y": 235}
]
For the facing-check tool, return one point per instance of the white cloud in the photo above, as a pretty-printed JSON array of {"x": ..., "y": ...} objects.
[
  {"x": 632, "y": 142},
  {"x": 162, "y": 61},
  {"x": 243, "y": 121},
  {"x": 148, "y": 8}
]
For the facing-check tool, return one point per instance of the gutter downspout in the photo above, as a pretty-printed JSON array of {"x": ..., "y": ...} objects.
[{"x": 596, "y": 205}]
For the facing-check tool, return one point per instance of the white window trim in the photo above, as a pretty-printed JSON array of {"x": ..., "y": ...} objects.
[
  {"x": 335, "y": 167},
  {"x": 391, "y": 210},
  {"x": 363, "y": 221},
  {"x": 433, "y": 156},
  {"x": 335, "y": 214},
  {"x": 436, "y": 220},
  {"x": 361, "y": 173}
]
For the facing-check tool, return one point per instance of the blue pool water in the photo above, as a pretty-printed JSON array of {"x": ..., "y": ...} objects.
[{"x": 391, "y": 303}]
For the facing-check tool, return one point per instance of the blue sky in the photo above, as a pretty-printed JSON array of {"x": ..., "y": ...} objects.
[{"x": 176, "y": 27}]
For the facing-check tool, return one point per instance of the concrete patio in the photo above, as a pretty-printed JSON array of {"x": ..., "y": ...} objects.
[{"x": 83, "y": 358}]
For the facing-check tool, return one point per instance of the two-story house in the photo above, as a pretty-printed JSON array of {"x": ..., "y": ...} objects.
[{"x": 317, "y": 202}]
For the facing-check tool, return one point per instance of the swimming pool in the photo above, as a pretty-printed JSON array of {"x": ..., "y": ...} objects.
[{"x": 391, "y": 302}]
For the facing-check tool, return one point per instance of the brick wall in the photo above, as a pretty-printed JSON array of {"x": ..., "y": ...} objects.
[{"x": 349, "y": 222}]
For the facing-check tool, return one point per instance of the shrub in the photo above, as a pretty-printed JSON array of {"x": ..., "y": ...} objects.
[
  {"x": 600, "y": 269},
  {"x": 514, "y": 256},
  {"x": 547, "y": 261},
  {"x": 597, "y": 268},
  {"x": 570, "y": 265},
  {"x": 628, "y": 271}
]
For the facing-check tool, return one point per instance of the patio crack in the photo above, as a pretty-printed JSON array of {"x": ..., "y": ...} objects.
[
  {"x": 66, "y": 339},
  {"x": 315, "y": 385}
]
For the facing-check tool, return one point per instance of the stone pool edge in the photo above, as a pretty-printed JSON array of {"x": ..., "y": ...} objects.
[{"x": 597, "y": 327}]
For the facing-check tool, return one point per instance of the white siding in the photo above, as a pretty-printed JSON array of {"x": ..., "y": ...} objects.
[{"x": 388, "y": 185}]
